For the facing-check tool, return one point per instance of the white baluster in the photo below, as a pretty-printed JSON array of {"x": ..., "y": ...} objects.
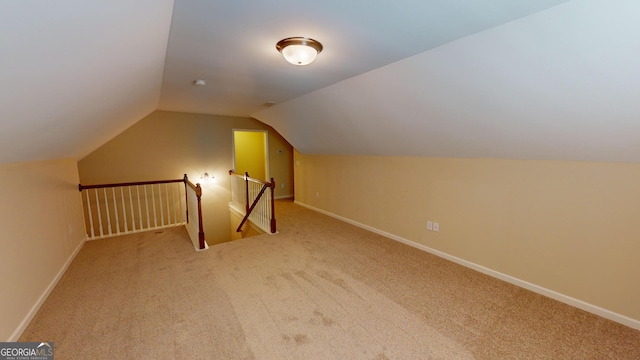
[
  {"x": 269, "y": 207},
  {"x": 139, "y": 207},
  {"x": 115, "y": 209},
  {"x": 166, "y": 195},
  {"x": 182, "y": 213},
  {"x": 255, "y": 216},
  {"x": 106, "y": 207},
  {"x": 153, "y": 201},
  {"x": 146, "y": 203},
  {"x": 99, "y": 214},
  {"x": 263, "y": 212},
  {"x": 124, "y": 210},
  {"x": 243, "y": 192},
  {"x": 133, "y": 215},
  {"x": 173, "y": 198},
  {"x": 265, "y": 206},
  {"x": 93, "y": 234},
  {"x": 160, "y": 201}
]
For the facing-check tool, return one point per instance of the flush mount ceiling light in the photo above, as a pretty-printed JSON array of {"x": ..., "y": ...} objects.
[{"x": 299, "y": 50}]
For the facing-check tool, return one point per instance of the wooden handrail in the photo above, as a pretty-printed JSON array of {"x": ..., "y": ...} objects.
[
  {"x": 246, "y": 176},
  {"x": 100, "y": 186},
  {"x": 195, "y": 187}
]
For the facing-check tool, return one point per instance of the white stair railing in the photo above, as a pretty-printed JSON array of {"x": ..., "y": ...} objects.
[
  {"x": 126, "y": 208},
  {"x": 254, "y": 197},
  {"x": 238, "y": 193},
  {"x": 261, "y": 214}
]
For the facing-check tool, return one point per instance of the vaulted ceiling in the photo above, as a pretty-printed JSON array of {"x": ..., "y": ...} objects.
[
  {"x": 527, "y": 79},
  {"x": 75, "y": 73}
]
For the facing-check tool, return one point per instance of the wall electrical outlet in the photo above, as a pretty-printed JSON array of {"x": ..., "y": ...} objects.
[
  {"x": 430, "y": 225},
  {"x": 318, "y": 195},
  {"x": 436, "y": 226},
  {"x": 282, "y": 185}
]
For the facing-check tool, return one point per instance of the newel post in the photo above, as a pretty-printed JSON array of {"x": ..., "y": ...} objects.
[
  {"x": 200, "y": 226},
  {"x": 186, "y": 195},
  {"x": 273, "y": 209}
]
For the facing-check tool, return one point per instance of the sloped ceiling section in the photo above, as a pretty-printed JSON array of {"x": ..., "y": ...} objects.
[
  {"x": 231, "y": 44},
  {"x": 75, "y": 73},
  {"x": 561, "y": 84}
]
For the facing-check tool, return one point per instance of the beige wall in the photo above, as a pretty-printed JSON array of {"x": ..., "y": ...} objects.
[
  {"x": 166, "y": 145},
  {"x": 570, "y": 227},
  {"x": 41, "y": 228}
]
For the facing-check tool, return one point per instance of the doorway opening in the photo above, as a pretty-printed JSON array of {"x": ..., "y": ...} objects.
[{"x": 251, "y": 153}]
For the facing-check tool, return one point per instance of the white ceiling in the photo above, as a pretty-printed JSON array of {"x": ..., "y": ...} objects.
[
  {"x": 562, "y": 84},
  {"x": 231, "y": 44},
  {"x": 532, "y": 79},
  {"x": 75, "y": 73}
]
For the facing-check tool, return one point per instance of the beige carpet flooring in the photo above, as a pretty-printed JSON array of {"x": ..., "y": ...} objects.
[{"x": 320, "y": 289}]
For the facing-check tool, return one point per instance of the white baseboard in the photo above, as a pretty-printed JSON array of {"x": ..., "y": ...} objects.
[
  {"x": 34, "y": 310},
  {"x": 607, "y": 314}
]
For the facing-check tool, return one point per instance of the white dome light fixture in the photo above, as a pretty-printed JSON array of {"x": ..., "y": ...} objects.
[{"x": 299, "y": 50}]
